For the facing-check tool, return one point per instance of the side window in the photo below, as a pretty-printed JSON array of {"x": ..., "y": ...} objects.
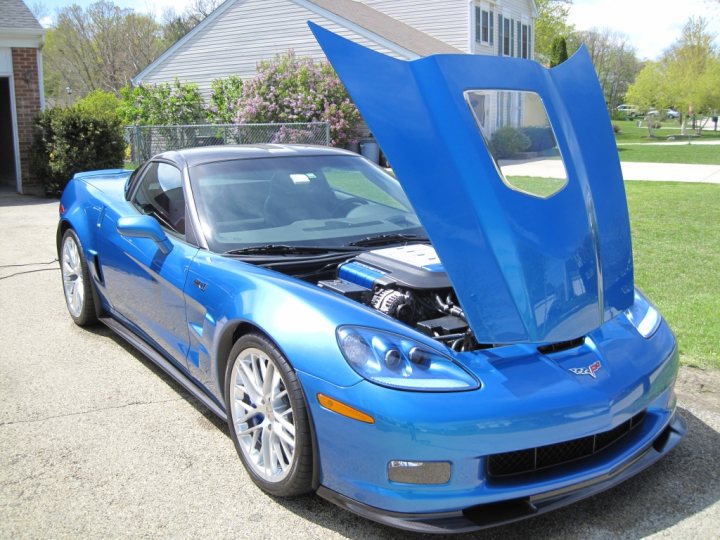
[{"x": 160, "y": 194}]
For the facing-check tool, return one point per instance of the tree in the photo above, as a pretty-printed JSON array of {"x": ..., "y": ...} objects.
[
  {"x": 98, "y": 48},
  {"x": 552, "y": 21},
  {"x": 615, "y": 61},
  {"x": 687, "y": 75},
  {"x": 177, "y": 25},
  {"x": 292, "y": 89},
  {"x": 559, "y": 51}
]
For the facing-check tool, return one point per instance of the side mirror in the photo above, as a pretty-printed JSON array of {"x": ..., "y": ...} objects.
[{"x": 144, "y": 227}]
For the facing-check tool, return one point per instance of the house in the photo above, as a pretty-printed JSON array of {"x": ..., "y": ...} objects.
[
  {"x": 240, "y": 33},
  {"x": 21, "y": 93}
]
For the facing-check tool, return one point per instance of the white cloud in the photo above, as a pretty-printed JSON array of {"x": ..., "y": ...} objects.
[{"x": 651, "y": 25}]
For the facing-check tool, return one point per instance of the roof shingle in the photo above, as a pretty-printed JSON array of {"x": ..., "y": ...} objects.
[
  {"x": 15, "y": 14},
  {"x": 387, "y": 27}
]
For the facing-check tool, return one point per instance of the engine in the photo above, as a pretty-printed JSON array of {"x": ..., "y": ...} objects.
[{"x": 407, "y": 283}]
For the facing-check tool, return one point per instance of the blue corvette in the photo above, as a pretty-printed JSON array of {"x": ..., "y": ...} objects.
[{"x": 460, "y": 348}]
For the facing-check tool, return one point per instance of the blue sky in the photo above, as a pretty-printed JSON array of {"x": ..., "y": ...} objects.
[{"x": 651, "y": 25}]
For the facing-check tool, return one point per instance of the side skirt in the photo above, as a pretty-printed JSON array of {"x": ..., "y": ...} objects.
[{"x": 168, "y": 367}]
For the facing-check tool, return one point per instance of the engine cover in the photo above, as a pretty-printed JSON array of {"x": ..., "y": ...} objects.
[{"x": 415, "y": 266}]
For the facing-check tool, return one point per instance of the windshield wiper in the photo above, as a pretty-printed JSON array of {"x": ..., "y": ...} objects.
[
  {"x": 282, "y": 249},
  {"x": 384, "y": 239}
]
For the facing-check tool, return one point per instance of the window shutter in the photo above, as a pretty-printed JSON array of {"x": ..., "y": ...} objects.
[
  {"x": 512, "y": 38},
  {"x": 478, "y": 24},
  {"x": 530, "y": 42},
  {"x": 500, "y": 36},
  {"x": 491, "y": 20}
]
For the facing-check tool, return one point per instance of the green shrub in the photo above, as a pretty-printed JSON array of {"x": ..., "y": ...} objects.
[
  {"x": 541, "y": 138},
  {"x": 225, "y": 96},
  {"x": 162, "y": 105},
  {"x": 72, "y": 140},
  {"x": 99, "y": 103},
  {"x": 507, "y": 142}
]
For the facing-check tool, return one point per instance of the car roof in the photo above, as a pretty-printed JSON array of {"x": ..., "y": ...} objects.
[{"x": 209, "y": 154}]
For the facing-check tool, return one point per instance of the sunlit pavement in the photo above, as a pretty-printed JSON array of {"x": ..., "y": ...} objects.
[{"x": 664, "y": 172}]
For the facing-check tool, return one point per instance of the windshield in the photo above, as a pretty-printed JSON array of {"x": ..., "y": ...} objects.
[{"x": 325, "y": 201}]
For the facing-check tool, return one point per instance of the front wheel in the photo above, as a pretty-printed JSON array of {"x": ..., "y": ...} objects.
[
  {"x": 268, "y": 418},
  {"x": 76, "y": 281}
]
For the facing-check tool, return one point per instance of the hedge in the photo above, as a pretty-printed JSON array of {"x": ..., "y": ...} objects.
[{"x": 72, "y": 140}]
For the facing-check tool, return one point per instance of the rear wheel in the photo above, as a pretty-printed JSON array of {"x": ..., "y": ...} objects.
[
  {"x": 76, "y": 281},
  {"x": 268, "y": 418}
]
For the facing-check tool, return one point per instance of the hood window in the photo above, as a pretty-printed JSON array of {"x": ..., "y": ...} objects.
[{"x": 517, "y": 132}]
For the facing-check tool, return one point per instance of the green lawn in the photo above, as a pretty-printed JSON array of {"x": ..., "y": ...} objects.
[
  {"x": 542, "y": 187},
  {"x": 630, "y": 133},
  {"x": 676, "y": 244},
  {"x": 692, "y": 153}
]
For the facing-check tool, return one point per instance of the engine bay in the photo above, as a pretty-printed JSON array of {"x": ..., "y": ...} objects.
[{"x": 409, "y": 284}]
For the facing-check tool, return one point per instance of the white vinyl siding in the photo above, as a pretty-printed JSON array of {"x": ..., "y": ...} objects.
[
  {"x": 446, "y": 20},
  {"x": 248, "y": 32}
]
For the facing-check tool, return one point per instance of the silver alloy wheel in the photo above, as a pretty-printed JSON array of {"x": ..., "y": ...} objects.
[
  {"x": 262, "y": 415},
  {"x": 72, "y": 276}
]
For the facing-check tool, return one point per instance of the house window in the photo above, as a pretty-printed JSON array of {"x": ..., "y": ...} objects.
[
  {"x": 525, "y": 48},
  {"x": 484, "y": 26}
]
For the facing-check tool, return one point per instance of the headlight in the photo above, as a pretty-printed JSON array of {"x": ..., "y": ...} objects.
[
  {"x": 643, "y": 315},
  {"x": 398, "y": 362}
]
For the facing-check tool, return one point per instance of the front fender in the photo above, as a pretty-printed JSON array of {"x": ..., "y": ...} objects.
[
  {"x": 81, "y": 210},
  {"x": 300, "y": 318}
]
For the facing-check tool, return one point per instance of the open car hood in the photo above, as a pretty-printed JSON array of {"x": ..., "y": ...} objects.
[{"x": 525, "y": 268}]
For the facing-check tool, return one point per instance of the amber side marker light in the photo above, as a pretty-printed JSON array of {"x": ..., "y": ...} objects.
[{"x": 345, "y": 410}]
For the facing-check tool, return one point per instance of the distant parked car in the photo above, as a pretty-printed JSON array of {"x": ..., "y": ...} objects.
[
  {"x": 672, "y": 113},
  {"x": 629, "y": 110}
]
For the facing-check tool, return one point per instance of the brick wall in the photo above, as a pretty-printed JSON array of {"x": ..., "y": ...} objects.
[{"x": 27, "y": 105}]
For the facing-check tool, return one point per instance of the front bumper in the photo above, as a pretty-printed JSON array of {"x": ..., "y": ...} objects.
[
  {"x": 527, "y": 401},
  {"x": 503, "y": 512}
]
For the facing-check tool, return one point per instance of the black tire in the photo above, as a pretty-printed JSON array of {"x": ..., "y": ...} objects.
[
  {"x": 74, "y": 269},
  {"x": 297, "y": 475}
]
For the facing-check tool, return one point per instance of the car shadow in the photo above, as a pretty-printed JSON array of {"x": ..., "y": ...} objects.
[
  {"x": 104, "y": 331},
  {"x": 10, "y": 198},
  {"x": 674, "y": 489}
]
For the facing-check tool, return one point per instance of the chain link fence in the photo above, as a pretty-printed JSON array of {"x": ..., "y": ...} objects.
[{"x": 146, "y": 141}]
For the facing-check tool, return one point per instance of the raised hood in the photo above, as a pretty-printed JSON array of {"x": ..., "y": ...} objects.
[{"x": 525, "y": 268}]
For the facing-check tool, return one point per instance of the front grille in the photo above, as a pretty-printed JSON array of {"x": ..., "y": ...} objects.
[{"x": 552, "y": 455}]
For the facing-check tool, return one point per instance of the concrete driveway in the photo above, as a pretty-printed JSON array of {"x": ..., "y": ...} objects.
[{"x": 95, "y": 442}]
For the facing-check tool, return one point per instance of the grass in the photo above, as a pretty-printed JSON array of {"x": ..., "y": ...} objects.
[
  {"x": 692, "y": 153},
  {"x": 676, "y": 245},
  {"x": 630, "y": 133},
  {"x": 542, "y": 187}
]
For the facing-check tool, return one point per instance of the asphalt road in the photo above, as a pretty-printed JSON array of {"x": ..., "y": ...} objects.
[{"x": 96, "y": 442}]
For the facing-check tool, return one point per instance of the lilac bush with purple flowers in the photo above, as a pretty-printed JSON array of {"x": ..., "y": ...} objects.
[{"x": 293, "y": 89}]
